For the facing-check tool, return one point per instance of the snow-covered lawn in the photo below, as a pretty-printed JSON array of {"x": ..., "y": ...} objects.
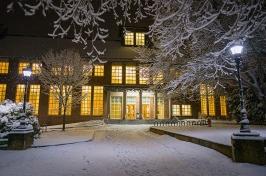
[
  {"x": 218, "y": 133},
  {"x": 124, "y": 150}
]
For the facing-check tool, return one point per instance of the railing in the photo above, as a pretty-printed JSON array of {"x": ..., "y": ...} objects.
[{"x": 177, "y": 122}]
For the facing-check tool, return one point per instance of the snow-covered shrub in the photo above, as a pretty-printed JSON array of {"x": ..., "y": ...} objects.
[{"x": 12, "y": 115}]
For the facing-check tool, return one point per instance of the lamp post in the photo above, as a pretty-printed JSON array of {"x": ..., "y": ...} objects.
[
  {"x": 26, "y": 73},
  {"x": 236, "y": 51}
]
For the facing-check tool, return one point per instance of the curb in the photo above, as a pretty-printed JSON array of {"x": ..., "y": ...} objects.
[
  {"x": 222, "y": 148},
  {"x": 67, "y": 143}
]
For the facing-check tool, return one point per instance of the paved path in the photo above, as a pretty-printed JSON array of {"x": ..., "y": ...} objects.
[
  {"x": 218, "y": 133},
  {"x": 127, "y": 150}
]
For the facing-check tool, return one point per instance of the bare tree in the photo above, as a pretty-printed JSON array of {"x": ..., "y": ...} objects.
[{"x": 63, "y": 74}]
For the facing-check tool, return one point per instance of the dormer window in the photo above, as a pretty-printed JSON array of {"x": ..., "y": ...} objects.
[
  {"x": 134, "y": 39},
  {"x": 129, "y": 38}
]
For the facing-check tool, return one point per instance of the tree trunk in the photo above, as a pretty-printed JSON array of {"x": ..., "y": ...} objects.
[{"x": 64, "y": 120}]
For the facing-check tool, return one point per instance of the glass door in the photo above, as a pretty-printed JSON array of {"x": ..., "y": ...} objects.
[
  {"x": 116, "y": 107},
  {"x": 131, "y": 108}
]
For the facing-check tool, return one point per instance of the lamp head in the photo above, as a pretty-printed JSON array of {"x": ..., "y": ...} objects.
[
  {"x": 236, "y": 49},
  {"x": 27, "y": 72}
]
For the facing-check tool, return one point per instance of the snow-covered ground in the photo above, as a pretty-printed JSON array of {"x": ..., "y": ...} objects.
[
  {"x": 124, "y": 150},
  {"x": 218, "y": 132}
]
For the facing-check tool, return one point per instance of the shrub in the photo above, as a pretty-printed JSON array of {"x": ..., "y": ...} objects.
[{"x": 12, "y": 116}]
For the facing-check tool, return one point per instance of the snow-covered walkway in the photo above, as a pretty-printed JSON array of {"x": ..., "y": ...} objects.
[
  {"x": 218, "y": 133},
  {"x": 124, "y": 150}
]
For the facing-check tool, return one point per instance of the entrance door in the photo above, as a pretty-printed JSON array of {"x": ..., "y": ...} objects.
[
  {"x": 116, "y": 107},
  {"x": 131, "y": 108},
  {"x": 131, "y": 111},
  {"x": 146, "y": 111}
]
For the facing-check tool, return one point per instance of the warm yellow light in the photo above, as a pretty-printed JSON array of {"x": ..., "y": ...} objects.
[
  {"x": 34, "y": 98},
  {"x": 223, "y": 106},
  {"x": 85, "y": 108},
  {"x": 130, "y": 74},
  {"x": 20, "y": 93},
  {"x": 140, "y": 39},
  {"x": 22, "y": 66},
  {"x": 116, "y": 74},
  {"x": 98, "y": 101},
  {"x": 99, "y": 70},
  {"x": 4, "y": 67},
  {"x": 129, "y": 38},
  {"x": 2, "y": 92}
]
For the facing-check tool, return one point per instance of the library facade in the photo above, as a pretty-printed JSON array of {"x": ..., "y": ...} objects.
[{"x": 118, "y": 89}]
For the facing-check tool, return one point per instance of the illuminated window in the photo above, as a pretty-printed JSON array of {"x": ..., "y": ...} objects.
[
  {"x": 176, "y": 110},
  {"x": 56, "y": 70},
  {"x": 87, "y": 70},
  {"x": 129, "y": 38},
  {"x": 22, "y": 66},
  {"x": 160, "y": 107},
  {"x": 116, "y": 74},
  {"x": 53, "y": 108},
  {"x": 86, "y": 101},
  {"x": 99, "y": 70},
  {"x": 140, "y": 39},
  {"x": 34, "y": 98},
  {"x": 223, "y": 106},
  {"x": 20, "y": 93},
  {"x": 130, "y": 75},
  {"x": 2, "y": 92},
  {"x": 203, "y": 99},
  {"x": 36, "y": 68},
  {"x": 186, "y": 110},
  {"x": 211, "y": 101},
  {"x": 116, "y": 107},
  {"x": 207, "y": 100},
  {"x": 98, "y": 101},
  {"x": 4, "y": 67},
  {"x": 143, "y": 75},
  {"x": 69, "y": 102},
  {"x": 68, "y": 70},
  {"x": 158, "y": 77}
]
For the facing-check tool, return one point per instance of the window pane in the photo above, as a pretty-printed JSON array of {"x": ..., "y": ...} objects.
[
  {"x": 176, "y": 110},
  {"x": 67, "y": 89},
  {"x": 86, "y": 101},
  {"x": 87, "y": 70},
  {"x": 20, "y": 93},
  {"x": 186, "y": 110},
  {"x": 140, "y": 39},
  {"x": 36, "y": 68},
  {"x": 34, "y": 98},
  {"x": 160, "y": 107},
  {"x": 22, "y": 66},
  {"x": 2, "y": 92},
  {"x": 211, "y": 101},
  {"x": 98, "y": 101},
  {"x": 129, "y": 38},
  {"x": 99, "y": 70},
  {"x": 116, "y": 74},
  {"x": 143, "y": 75},
  {"x": 130, "y": 75},
  {"x": 158, "y": 77},
  {"x": 4, "y": 67},
  {"x": 223, "y": 106},
  {"x": 53, "y": 108},
  {"x": 203, "y": 99},
  {"x": 116, "y": 107}
]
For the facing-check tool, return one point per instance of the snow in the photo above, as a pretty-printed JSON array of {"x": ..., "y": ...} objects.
[
  {"x": 70, "y": 136},
  {"x": 218, "y": 133},
  {"x": 124, "y": 150}
]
